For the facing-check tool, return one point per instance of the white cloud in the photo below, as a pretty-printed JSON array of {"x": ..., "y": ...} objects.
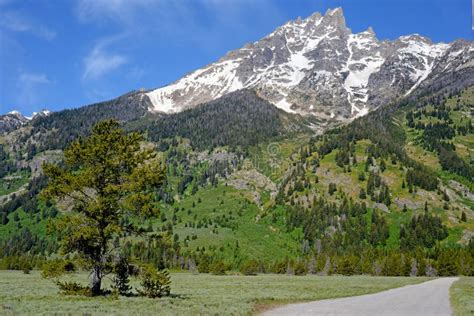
[
  {"x": 178, "y": 23},
  {"x": 99, "y": 61},
  {"x": 32, "y": 78},
  {"x": 29, "y": 87},
  {"x": 16, "y": 22},
  {"x": 119, "y": 10}
]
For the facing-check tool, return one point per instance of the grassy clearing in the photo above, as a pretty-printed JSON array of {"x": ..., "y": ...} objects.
[
  {"x": 256, "y": 237},
  {"x": 13, "y": 182},
  {"x": 26, "y": 221},
  {"x": 462, "y": 296},
  {"x": 193, "y": 294}
]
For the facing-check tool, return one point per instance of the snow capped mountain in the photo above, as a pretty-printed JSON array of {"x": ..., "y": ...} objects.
[
  {"x": 14, "y": 119},
  {"x": 38, "y": 114},
  {"x": 317, "y": 66}
]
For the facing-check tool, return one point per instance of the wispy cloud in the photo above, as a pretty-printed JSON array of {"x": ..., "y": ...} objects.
[
  {"x": 179, "y": 23},
  {"x": 118, "y": 10},
  {"x": 17, "y": 22},
  {"x": 33, "y": 78},
  {"x": 30, "y": 87},
  {"x": 177, "y": 19},
  {"x": 100, "y": 61}
]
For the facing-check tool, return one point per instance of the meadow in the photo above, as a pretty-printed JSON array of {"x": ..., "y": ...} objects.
[
  {"x": 30, "y": 294},
  {"x": 462, "y": 296}
]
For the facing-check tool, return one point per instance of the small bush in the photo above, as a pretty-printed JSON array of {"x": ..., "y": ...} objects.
[
  {"x": 121, "y": 279},
  {"x": 26, "y": 269},
  {"x": 57, "y": 267},
  {"x": 217, "y": 268},
  {"x": 300, "y": 268},
  {"x": 203, "y": 266},
  {"x": 154, "y": 283},
  {"x": 72, "y": 288},
  {"x": 250, "y": 268}
]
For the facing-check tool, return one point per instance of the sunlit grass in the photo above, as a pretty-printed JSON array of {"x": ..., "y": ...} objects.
[
  {"x": 462, "y": 296},
  {"x": 192, "y": 294}
]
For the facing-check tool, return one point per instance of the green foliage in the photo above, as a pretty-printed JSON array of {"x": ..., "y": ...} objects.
[
  {"x": 347, "y": 265},
  {"x": 378, "y": 229},
  {"x": 20, "y": 262},
  {"x": 55, "y": 268},
  {"x": 440, "y": 136},
  {"x": 237, "y": 119},
  {"x": 203, "y": 216},
  {"x": 108, "y": 176},
  {"x": 446, "y": 264},
  {"x": 73, "y": 288},
  {"x": 422, "y": 177},
  {"x": 154, "y": 283},
  {"x": 26, "y": 267},
  {"x": 58, "y": 129},
  {"x": 300, "y": 268},
  {"x": 217, "y": 268},
  {"x": 250, "y": 267},
  {"x": 423, "y": 230},
  {"x": 203, "y": 266},
  {"x": 450, "y": 161},
  {"x": 121, "y": 278}
]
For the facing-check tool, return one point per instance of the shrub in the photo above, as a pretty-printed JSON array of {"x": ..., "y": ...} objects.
[
  {"x": 300, "y": 268},
  {"x": 72, "y": 288},
  {"x": 280, "y": 267},
  {"x": 121, "y": 279},
  {"x": 203, "y": 266},
  {"x": 54, "y": 268},
  {"x": 25, "y": 266},
  {"x": 26, "y": 269},
  {"x": 154, "y": 283},
  {"x": 217, "y": 268},
  {"x": 250, "y": 268}
]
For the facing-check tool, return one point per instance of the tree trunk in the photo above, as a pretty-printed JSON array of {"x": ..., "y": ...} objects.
[{"x": 96, "y": 280}]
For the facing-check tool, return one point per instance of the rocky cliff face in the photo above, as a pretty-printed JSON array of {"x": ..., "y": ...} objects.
[
  {"x": 11, "y": 121},
  {"x": 14, "y": 119},
  {"x": 316, "y": 66}
]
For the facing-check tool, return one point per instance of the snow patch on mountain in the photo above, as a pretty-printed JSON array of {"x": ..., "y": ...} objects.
[
  {"x": 427, "y": 54},
  {"x": 315, "y": 66},
  {"x": 220, "y": 78},
  {"x": 360, "y": 69}
]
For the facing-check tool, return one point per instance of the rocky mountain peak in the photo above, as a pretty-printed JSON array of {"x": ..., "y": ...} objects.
[
  {"x": 316, "y": 66},
  {"x": 370, "y": 31},
  {"x": 335, "y": 17}
]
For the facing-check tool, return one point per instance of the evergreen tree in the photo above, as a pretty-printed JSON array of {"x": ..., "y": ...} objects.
[{"x": 107, "y": 176}]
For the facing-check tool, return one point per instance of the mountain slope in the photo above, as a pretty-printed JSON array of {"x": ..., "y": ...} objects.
[
  {"x": 368, "y": 197},
  {"x": 239, "y": 118}
]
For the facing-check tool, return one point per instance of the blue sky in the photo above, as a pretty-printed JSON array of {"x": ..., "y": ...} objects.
[{"x": 60, "y": 54}]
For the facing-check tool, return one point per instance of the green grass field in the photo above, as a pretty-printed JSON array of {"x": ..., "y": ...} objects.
[
  {"x": 462, "y": 296},
  {"x": 22, "y": 294}
]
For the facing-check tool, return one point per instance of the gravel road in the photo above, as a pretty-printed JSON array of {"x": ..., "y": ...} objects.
[{"x": 427, "y": 298}]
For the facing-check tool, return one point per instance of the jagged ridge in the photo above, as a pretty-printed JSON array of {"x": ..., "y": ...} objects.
[{"x": 317, "y": 66}]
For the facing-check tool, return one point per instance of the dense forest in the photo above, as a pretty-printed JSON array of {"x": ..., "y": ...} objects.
[{"x": 237, "y": 119}]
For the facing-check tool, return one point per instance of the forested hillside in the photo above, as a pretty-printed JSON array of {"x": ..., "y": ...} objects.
[{"x": 252, "y": 188}]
